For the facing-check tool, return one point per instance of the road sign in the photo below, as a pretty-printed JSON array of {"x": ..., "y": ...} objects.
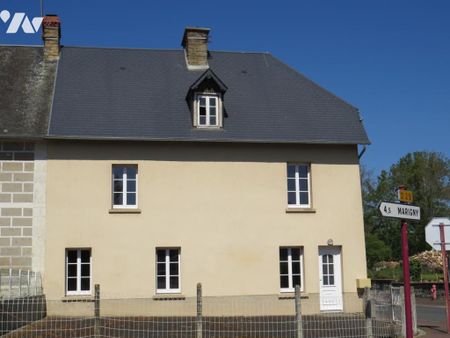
[
  {"x": 397, "y": 210},
  {"x": 432, "y": 235},
  {"x": 405, "y": 196}
]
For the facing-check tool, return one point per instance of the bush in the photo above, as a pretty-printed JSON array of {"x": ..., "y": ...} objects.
[{"x": 415, "y": 269}]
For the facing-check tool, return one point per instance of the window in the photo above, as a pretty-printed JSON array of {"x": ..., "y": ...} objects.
[
  {"x": 327, "y": 270},
  {"x": 298, "y": 185},
  {"x": 207, "y": 110},
  {"x": 78, "y": 271},
  {"x": 168, "y": 270},
  {"x": 291, "y": 269},
  {"x": 124, "y": 186}
]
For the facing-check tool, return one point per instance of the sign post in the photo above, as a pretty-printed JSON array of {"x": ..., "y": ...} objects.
[
  {"x": 403, "y": 212},
  {"x": 406, "y": 280},
  {"x": 444, "y": 266},
  {"x": 435, "y": 234}
]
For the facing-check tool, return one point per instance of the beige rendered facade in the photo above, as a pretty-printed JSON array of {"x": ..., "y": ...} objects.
[{"x": 223, "y": 204}]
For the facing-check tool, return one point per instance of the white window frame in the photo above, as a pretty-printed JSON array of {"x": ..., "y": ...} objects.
[
  {"x": 167, "y": 269},
  {"x": 124, "y": 204},
  {"x": 291, "y": 287},
  {"x": 297, "y": 185},
  {"x": 207, "y": 96},
  {"x": 78, "y": 291}
]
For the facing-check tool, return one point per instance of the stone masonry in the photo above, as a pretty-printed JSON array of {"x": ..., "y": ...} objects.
[
  {"x": 195, "y": 43},
  {"x": 16, "y": 204}
]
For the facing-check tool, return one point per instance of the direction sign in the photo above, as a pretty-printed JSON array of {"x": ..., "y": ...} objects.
[
  {"x": 397, "y": 210},
  {"x": 432, "y": 235}
]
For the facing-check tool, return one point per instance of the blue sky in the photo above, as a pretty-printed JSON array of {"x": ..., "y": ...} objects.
[{"x": 389, "y": 58}]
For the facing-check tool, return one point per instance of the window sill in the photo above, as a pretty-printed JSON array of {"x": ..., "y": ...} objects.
[
  {"x": 291, "y": 295},
  {"x": 208, "y": 128},
  {"x": 300, "y": 210},
  {"x": 125, "y": 211},
  {"x": 77, "y": 298},
  {"x": 168, "y": 296}
]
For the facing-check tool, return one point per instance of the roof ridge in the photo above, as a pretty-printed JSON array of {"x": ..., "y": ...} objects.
[
  {"x": 125, "y": 48},
  {"x": 162, "y": 49},
  {"x": 11, "y": 45}
]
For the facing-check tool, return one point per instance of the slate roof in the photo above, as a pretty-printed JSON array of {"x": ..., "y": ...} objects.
[
  {"x": 26, "y": 89},
  {"x": 137, "y": 94}
]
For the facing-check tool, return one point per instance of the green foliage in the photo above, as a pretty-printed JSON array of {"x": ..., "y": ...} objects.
[
  {"x": 376, "y": 250},
  {"x": 415, "y": 270},
  {"x": 432, "y": 276},
  {"x": 394, "y": 273},
  {"x": 427, "y": 175}
]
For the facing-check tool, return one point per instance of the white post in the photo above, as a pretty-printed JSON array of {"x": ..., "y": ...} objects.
[
  {"x": 10, "y": 281},
  {"x": 20, "y": 282},
  {"x": 35, "y": 284},
  {"x": 28, "y": 283}
]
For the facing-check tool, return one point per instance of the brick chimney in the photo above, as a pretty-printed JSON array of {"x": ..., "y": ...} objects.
[
  {"x": 195, "y": 44},
  {"x": 51, "y": 34}
]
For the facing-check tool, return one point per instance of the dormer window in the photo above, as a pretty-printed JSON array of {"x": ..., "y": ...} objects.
[
  {"x": 207, "y": 110},
  {"x": 205, "y": 98}
]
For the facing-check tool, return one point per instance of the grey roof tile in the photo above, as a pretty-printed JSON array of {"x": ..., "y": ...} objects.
[
  {"x": 26, "y": 83},
  {"x": 138, "y": 94}
]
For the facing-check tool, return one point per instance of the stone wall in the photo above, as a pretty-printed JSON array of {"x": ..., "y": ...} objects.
[{"x": 16, "y": 204}]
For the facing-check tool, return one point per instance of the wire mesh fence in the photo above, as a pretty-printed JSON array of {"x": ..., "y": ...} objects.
[
  {"x": 196, "y": 317},
  {"x": 16, "y": 283}
]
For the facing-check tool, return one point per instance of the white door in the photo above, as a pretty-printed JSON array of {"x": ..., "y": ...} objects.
[{"x": 330, "y": 278}]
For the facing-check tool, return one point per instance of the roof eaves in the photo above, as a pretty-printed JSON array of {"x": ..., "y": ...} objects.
[{"x": 208, "y": 140}]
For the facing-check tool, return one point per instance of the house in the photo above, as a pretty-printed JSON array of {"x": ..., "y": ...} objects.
[{"x": 165, "y": 168}]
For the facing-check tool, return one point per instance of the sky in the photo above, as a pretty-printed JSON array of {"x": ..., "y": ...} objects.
[{"x": 389, "y": 58}]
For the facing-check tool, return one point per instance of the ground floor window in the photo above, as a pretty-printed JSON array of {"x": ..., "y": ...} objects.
[
  {"x": 78, "y": 271},
  {"x": 168, "y": 270},
  {"x": 291, "y": 268}
]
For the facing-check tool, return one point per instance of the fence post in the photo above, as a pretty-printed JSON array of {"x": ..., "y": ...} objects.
[
  {"x": 298, "y": 312},
  {"x": 10, "y": 282},
  {"x": 199, "y": 311},
  {"x": 97, "y": 311},
  {"x": 20, "y": 282},
  {"x": 28, "y": 283},
  {"x": 368, "y": 312},
  {"x": 402, "y": 305},
  {"x": 35, "y": 284}
]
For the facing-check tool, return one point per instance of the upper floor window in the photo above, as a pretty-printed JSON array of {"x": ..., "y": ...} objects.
[
  {"x": 124, "y": 186},
  {"x": 299, "y": 185},
  {"x": 208, "y": 112}
]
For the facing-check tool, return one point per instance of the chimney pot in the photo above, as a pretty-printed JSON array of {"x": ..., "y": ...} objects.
[
  {"x": 51, "y": 34},
  {"x": 195, "y": 44}
]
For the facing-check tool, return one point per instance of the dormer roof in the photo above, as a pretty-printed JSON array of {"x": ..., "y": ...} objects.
[{"x": 208, "y": 78}]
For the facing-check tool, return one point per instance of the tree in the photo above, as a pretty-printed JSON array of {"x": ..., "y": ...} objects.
[
  {"x": 376, "y": 250},
  {"x": 427, "y": 174}
]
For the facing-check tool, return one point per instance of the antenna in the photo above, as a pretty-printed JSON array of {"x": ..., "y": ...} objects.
[{"x": 42, "y": 8}]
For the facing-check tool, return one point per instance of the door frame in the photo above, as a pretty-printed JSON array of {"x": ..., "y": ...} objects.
[{"x": 336, "y": 251}]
